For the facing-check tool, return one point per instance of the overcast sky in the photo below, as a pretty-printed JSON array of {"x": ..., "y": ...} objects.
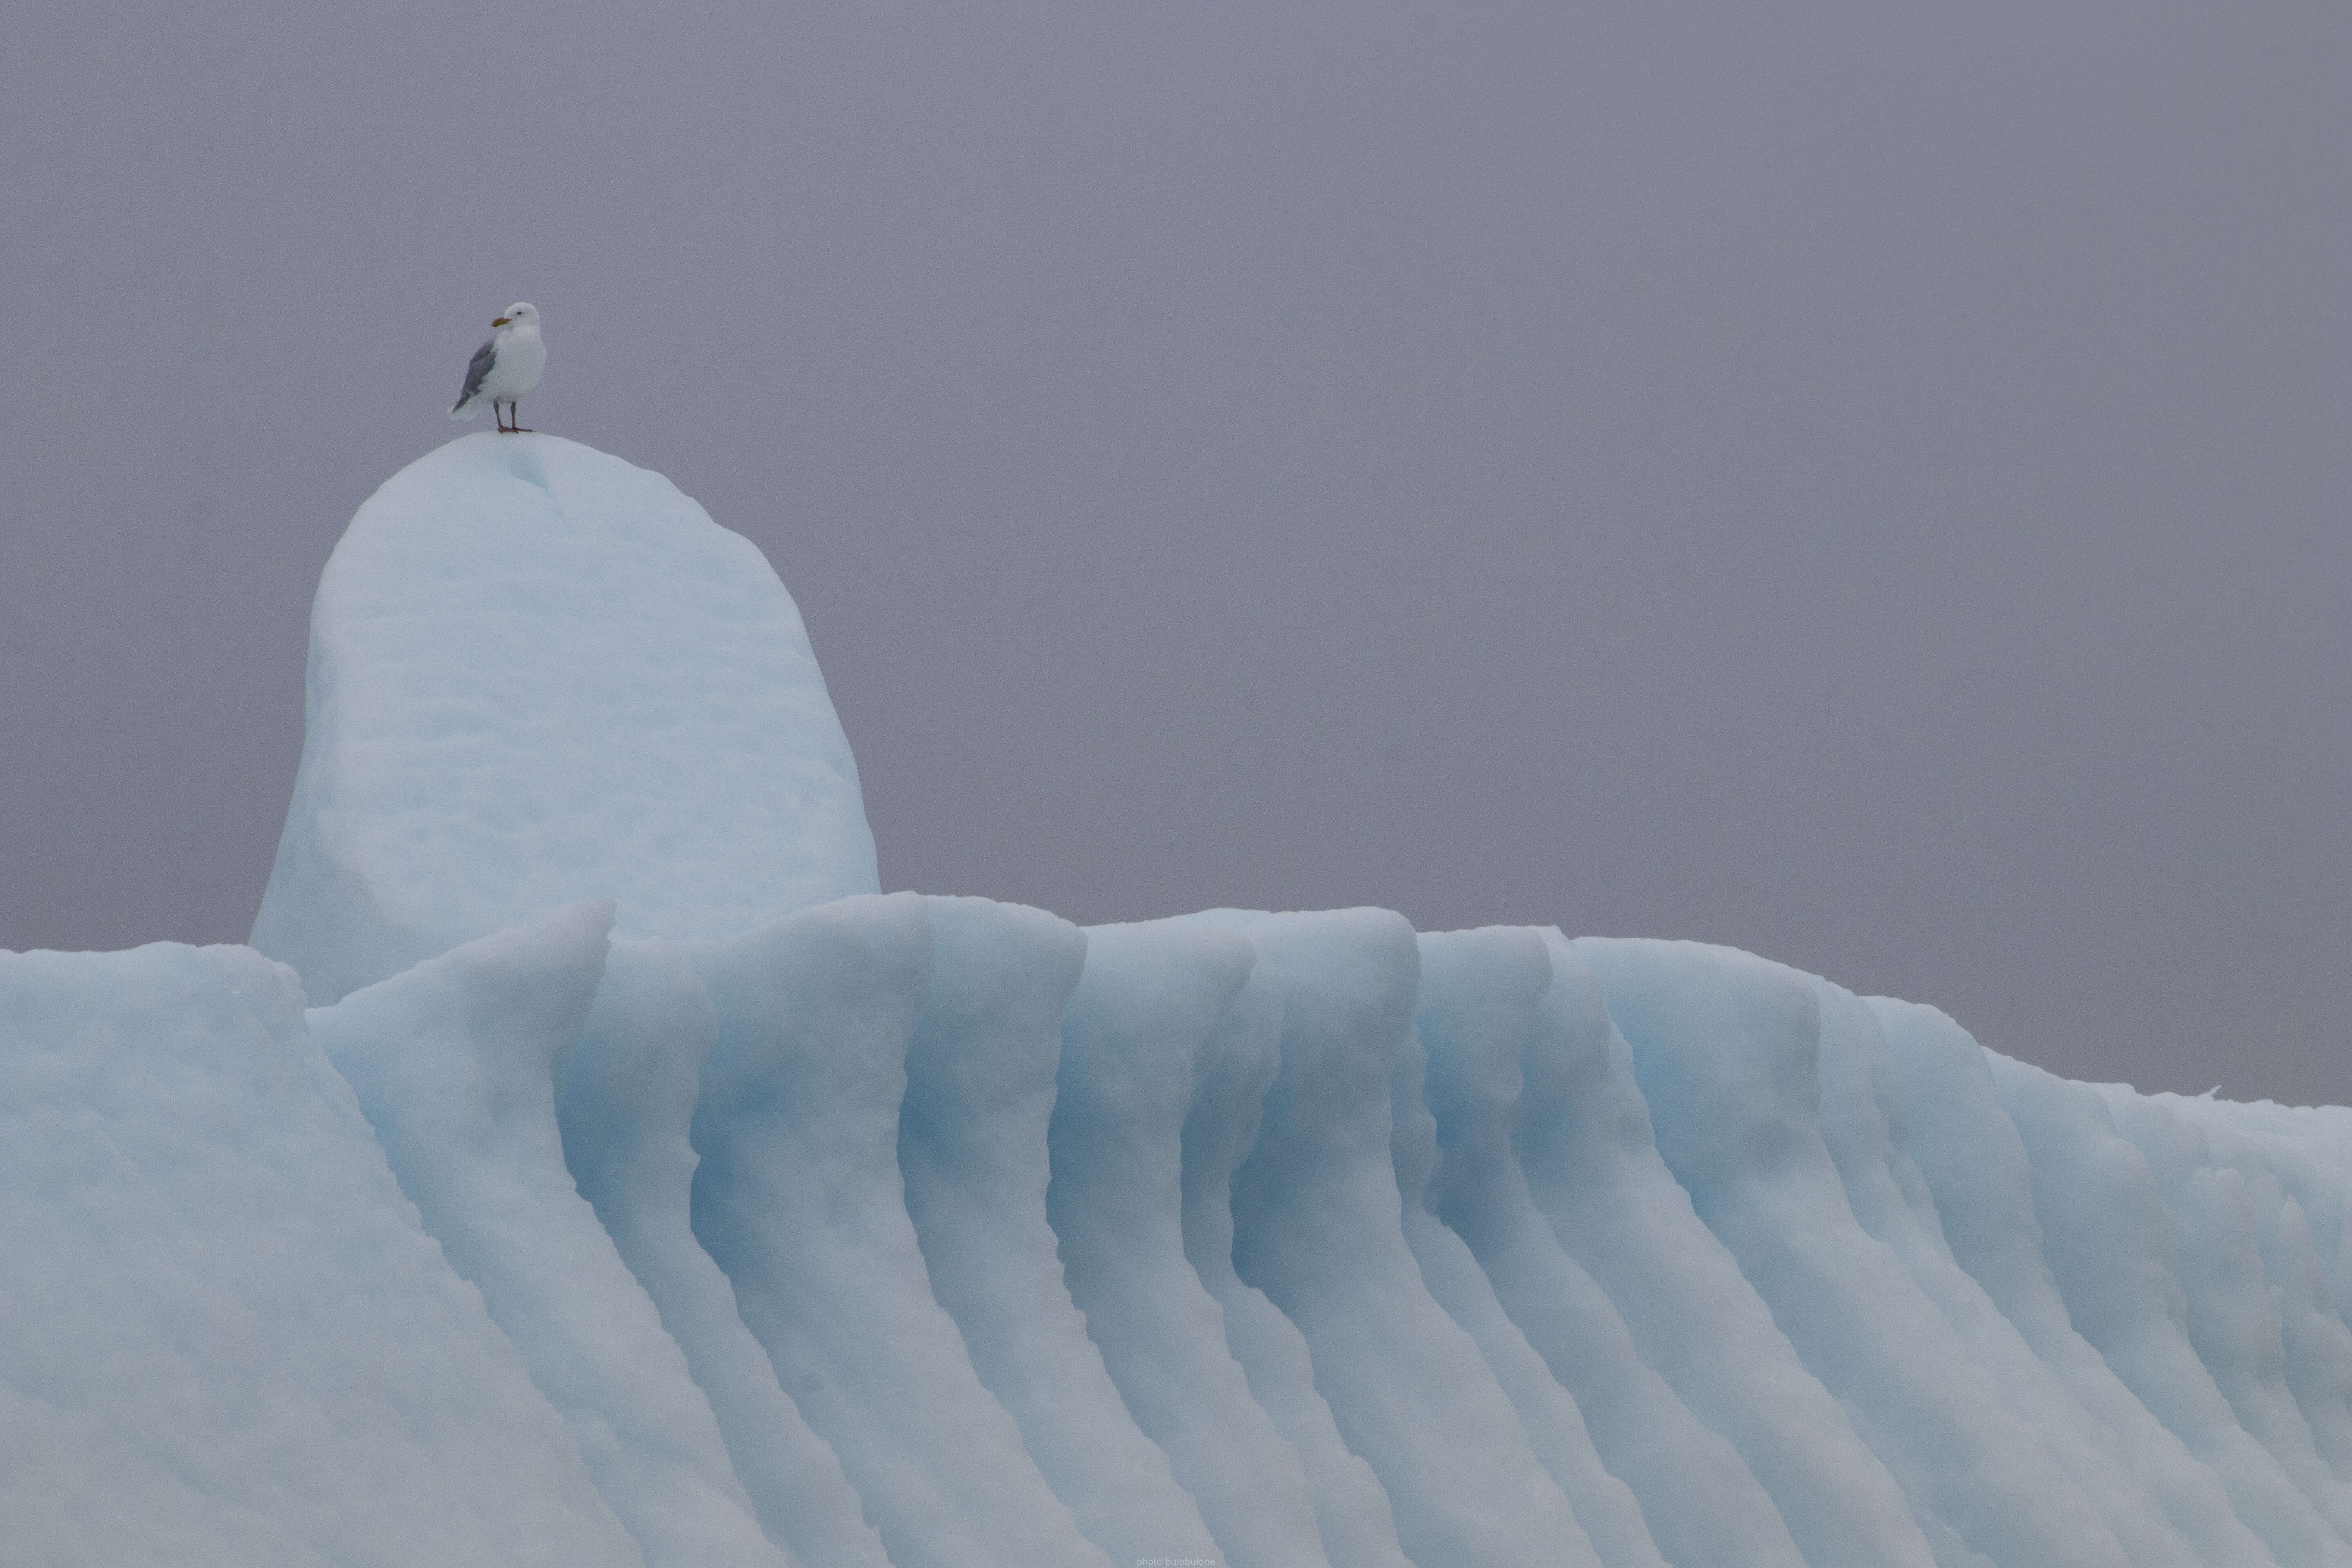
[{"x": 1871, "y": 484}]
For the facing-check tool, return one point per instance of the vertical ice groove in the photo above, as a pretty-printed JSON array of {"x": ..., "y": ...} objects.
[
  {"x": 972, "y": 1150},
  {"x": 2317, "y": 1348},
  {"x": 1352, "y": 1514},
  {"x": 2113, "y": 1251},
  {"x": 2236, "y": 1317},
  {"x": 1970, "y": 1152},
  {"x": 799, "y": 1200},
  {"x": 453, "y": 1062},
  {"x": 1316, "y": 1227},
  {"x": 1495, "y": 1069},
  {"x": 1139, "y": 1039},
  {"x": 2309, "y": 1149},
  {"x": 1728, "y": 1049},
  {"x": 2290, "y": 1191},
  {"x": 1484, "y": 986},
  {"x": 1620, "y": 1210},
  {"x": 1866, "y": 1124},
  {"x": 626, "y": 1105}
]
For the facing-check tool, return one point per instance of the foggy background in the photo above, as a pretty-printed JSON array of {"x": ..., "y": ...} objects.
[{"x": 1868, "y": 484}]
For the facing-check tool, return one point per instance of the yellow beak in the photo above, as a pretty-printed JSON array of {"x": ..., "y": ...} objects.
[{"x": 500, "y": 322}]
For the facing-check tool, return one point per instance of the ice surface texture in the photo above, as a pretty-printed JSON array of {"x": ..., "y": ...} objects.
[
  {"x": 225, "y": 1338},
  {"x": 538, "y": 675},
  {"x": 641, "y": 1187}
]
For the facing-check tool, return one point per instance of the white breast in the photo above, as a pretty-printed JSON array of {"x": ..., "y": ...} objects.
[{"x": 521, "y": 358}]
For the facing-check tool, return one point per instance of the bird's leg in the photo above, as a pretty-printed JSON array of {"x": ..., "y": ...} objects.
[
  {"x": 517, "y": 406},
  {"x": 498, "y": 413}
]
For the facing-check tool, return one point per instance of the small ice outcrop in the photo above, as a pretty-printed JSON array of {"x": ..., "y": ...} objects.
[{"x": 540, "y": 675}]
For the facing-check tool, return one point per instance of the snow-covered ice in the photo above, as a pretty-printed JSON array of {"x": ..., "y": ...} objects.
[{"x": 622, "y": 1181}]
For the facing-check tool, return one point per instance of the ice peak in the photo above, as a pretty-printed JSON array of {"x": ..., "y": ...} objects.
[{"x": 540, "y": 675}]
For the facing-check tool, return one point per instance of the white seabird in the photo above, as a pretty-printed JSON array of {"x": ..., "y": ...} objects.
[{"x": 505, "y": 368}]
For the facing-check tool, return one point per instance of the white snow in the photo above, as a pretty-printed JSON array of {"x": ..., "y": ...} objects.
[{"x": 642, "y": 1188}]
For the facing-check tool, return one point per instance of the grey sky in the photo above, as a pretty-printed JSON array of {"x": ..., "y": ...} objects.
[{"x": 1869, "y": 484}]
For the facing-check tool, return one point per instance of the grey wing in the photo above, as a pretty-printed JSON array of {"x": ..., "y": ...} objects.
[{"x": 475, "y": 369}]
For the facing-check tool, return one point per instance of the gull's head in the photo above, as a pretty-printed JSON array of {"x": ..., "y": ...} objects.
[{"x": 522, "y": 313}]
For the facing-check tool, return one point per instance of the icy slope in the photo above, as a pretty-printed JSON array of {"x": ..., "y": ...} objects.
[
  {"x": 224, "y": 1337},
  {"x": 538, "y": 675},
  {"x": 642, "y": 1188},
  {"x": 625, "y": 1101},
  {"x": 454, "y": 1063}
]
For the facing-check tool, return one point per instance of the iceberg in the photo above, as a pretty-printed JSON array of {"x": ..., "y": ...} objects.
[{"x": 588, "y": 1164}]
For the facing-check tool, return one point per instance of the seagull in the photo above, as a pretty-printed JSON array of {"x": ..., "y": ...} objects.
[{"x": 505, "y": 368}]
